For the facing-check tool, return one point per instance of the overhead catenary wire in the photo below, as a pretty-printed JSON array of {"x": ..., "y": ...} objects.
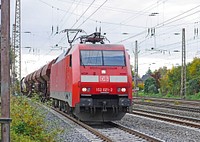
[
  {"x": 139, "y": 13},
  {"x": 92, "y": 14},
  {"x": 188, "y": 42},
  {"x": 171, "y": 45},
  {"x": 93, "y": 19},
  {"x": 166, "y": 22},
  {"x": 110, "y": 8},
  {"x": 143, "y": 11},
  {"x": 83, "y": 13},
  {"x": 87, "y": 18},
  {"x": 80, "y": 24},
  {"x": 66, "y": 12},
  {"x": 167, "y": 32},
  {"x": 71, "y": 13},
  {"x": 172, "y": 21}
]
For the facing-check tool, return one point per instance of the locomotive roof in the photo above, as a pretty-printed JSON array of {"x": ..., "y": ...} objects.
[{"x": 89, "y": 46}]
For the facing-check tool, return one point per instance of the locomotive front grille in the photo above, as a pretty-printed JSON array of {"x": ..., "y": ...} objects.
[{"x": 100, "y": 101}]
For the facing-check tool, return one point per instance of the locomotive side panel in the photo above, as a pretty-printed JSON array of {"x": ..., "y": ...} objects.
[
  {"x": 60, "y": 81},
  {"x": 127, "y": 56},
  {"x": 68, "y": 74},
  {"x": 75, "y": 76}
]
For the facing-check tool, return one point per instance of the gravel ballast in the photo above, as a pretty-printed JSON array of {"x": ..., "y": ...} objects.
[
  {"x": 70, "y": 131},
  {"x": 165, "y": 131}
]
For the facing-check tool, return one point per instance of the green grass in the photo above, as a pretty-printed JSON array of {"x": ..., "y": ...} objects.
[{"x": 194, "y": 97}]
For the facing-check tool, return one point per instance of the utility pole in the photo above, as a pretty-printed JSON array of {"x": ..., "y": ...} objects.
[
  {"x": 136, "y": 69},
  {"x": 5, "y": 71},
  {"x": 183, "y": 67},
  {"x": 13, "y": 62},
  {"x": 17, "y": 41}
]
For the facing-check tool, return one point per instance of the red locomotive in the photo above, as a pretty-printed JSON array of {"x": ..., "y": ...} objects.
[{"x": 90, "y": 81}]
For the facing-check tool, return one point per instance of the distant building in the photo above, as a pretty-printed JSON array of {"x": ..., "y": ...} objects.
[
  {"x": 139, "y": 80},
  {"x": 145, "y": 77}
]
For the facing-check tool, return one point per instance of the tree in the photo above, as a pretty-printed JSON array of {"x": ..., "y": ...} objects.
[
  {"x": 149, "y": 71},
  {"x": 193, "y": 86},
  {"x": 193, "y": 76},
  {"x": 174, "y": 80},
  {"x": 157, "y": 75},
  {"x": 164, "y": 85},
  {"x": 150, "y": 86},
  {"x": 132, "y": 72},
  {"x": 194, "y": 68}
]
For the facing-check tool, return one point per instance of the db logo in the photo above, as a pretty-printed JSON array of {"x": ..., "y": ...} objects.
[{"x": 104, "y": 79}]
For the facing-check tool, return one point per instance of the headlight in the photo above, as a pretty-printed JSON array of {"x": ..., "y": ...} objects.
[
  {"x": 84, "y": 89},
  {"x": 123, "y": 89}
]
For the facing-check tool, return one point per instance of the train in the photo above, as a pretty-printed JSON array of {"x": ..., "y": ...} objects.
[{"x": 91, "y": 81}]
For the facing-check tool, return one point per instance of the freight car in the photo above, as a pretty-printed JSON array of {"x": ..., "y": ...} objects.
[{"x": 90, "y": 81}]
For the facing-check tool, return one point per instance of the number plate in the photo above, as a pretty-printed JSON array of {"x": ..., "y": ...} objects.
[{"x": 104, "y": 89}]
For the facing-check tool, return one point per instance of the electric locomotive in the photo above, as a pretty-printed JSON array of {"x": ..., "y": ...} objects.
[{"x": 91, "y": 81}]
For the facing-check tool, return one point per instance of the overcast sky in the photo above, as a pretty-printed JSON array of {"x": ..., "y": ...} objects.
[{"x": 155, "y": 24}]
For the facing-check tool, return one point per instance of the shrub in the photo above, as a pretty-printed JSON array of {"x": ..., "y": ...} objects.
[{"x": 28, "y": 124}]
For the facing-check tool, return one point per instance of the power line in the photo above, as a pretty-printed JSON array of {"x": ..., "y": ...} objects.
[
  {"x": 145, "y": 54},
  {"x": 107, "y": 7},
  {"x": 72, "y": 13},
  {"x": 66, "y": 12},
  {"x": 178, "y": 16},
  {"x": 144, "y": 10},
  {"x": 92, "y": 13},
  {"x": 139, "y": 13},
  {"x": 87, "y": 17},
  {"x": 132, "y": 37},
  {"x": 164, "y": 23},
  {"x": 83, "y": 13}
]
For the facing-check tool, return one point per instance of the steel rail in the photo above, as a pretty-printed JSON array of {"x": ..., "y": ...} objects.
[
  {"x": 92, "y": 130},
  {"x": 179, "y": 101},
  {"x": 133, "y": 132},
  {"x": 192, "y": 119},
  {"x": 178, "y": 120},
  {"x": 183, "y": 108}
]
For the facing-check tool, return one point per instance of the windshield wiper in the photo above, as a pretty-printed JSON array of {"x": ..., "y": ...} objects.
[{"x": 82, "y": 63}]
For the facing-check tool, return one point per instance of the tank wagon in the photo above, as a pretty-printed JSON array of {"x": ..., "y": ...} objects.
[{"x": 91, "y": 81}]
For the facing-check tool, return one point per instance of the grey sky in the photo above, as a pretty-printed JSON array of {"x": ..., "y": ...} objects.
[{"x": 115, "y": 18}]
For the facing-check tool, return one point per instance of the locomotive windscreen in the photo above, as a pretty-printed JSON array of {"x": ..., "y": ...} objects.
[{"x": 102, "y": 58}]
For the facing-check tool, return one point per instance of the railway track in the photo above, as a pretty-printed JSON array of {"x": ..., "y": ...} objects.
[
  {"x": 133, "y": 132},
  {"x": 176, "y": 107},
  {"x": 93, "y": 131},
  {"x": 186, "y": 121},
  {"x": 173, "y": 101},
  {"x": 120, "y": 133},
  {"x": 107, "y": 137}
]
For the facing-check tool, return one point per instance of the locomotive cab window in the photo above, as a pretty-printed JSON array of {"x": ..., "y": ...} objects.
[{"x": 102, "y": 58}]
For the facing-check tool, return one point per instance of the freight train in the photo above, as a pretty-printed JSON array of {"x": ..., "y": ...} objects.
[{"x": 91, "y": 81}]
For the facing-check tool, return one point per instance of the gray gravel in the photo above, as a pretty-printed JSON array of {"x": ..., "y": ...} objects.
[
  {"x": 116, "y": 134},
  {"x": 70, "y": 132},
  {"x": 165, "y": 131}
]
